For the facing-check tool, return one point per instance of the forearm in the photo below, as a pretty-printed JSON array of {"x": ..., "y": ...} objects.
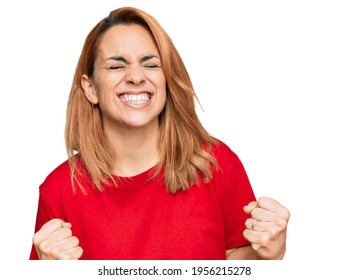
[{"x": 242, "y": 253}]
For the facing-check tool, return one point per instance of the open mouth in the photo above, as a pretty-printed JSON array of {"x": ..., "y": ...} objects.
[{"x": 139, "y": 98}]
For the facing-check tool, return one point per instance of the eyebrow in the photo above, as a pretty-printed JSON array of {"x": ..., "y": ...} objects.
[{"x": 123, "y": 59}]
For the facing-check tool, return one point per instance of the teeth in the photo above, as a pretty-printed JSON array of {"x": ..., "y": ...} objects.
[{"x": 135, "y": 98}]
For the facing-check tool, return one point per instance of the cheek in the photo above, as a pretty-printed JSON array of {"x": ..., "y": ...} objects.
[
  {"x": 160, "y": 82},
  {"x": 105, "y": 85},
  {"x": 162, "y": 101},
  {"x": 162, "y": 92}
]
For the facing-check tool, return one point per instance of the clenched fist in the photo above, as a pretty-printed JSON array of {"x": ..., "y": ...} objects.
[
  {"x": 55, "y": 241},
  {"x": 266, "y": 229}
]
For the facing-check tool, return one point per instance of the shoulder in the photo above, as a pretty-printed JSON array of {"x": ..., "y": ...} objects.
[
  {"x": 224, "y": 154},
  {"x": 229, "y": 166},
  {"x": 59, "y": 178},
  {"x": 230, "y": 179}
]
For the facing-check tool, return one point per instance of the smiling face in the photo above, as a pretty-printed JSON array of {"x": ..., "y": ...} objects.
[{"x": 128, "y": 82}]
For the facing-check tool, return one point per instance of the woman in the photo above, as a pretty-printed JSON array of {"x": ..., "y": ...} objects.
[{"x": 144, "y": 179}]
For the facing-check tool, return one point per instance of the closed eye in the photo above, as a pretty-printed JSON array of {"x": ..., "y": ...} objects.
[
  {"x": 117, "y": 67},
  {"x": 151, "y": 66}
]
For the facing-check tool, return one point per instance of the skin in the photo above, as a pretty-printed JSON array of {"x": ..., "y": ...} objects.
[
  {"x": 128, "y": 65},
  {"x": 268, "y": 236},
  {"x": 55, "y": 241},
  {"x": 128, "y": 61}
]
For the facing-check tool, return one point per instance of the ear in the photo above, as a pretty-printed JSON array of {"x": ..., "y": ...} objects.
[{"x": 89, "y": 89}]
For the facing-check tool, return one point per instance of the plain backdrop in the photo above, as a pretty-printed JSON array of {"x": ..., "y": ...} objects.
[{"x": 271, "y": 77}]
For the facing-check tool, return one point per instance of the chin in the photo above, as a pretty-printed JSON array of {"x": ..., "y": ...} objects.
[{"x": 141, "y": 123}]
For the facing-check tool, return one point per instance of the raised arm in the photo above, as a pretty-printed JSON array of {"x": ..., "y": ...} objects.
[
  {"x": 266, "y": 230},
  {"x": 54, "y": 241}
]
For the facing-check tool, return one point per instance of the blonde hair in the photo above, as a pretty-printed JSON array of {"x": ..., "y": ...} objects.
[{"x": 184, "y": 144}]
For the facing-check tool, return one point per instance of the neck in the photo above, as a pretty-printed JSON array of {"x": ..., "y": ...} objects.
[{"x": 135, "y": 150}]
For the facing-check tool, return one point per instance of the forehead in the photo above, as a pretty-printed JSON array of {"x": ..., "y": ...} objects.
[{"x": 127, "y": 40}]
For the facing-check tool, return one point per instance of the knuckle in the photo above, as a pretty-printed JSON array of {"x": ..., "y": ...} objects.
[
  {"x": 256, "y": 246},
  {"x": 262, "y": 199},
  {"x": 75, "y": 240},
  {"x": 247, "y": 222},
  {"x": 66, "y": 231},
  {"x": 54, "y": 223},
  {"x": 44, "y": 246},
  {"x": 273, "y": 232},
  {"x": 254, "y": 212},
  {"x": 287, "y": 214},
  {"x": 71, "y": 254},
  {"x": 36, "y": 239},
  {"x": 64, "y": 256},
  {"x": 281, "y": 224},
  {"x": 80, "y": 252},
  {"x": 264, "y": 240},
  {"x": 56, "y": 251}
]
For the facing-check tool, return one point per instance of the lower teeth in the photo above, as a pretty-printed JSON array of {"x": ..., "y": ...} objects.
[{"x": 137, "y": 101}]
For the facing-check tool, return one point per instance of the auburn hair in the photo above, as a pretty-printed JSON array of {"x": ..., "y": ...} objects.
[{"x": 184, "y": 145}]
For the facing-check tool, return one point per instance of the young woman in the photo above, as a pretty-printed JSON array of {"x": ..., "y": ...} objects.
[{"x": 144, "y": 180}]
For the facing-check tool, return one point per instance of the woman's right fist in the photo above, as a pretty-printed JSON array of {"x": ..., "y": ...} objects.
[{"x": 55, "y": 241}]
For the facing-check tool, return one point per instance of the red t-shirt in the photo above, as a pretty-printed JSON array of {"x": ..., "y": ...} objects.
[{"x": 140, "y": 220}]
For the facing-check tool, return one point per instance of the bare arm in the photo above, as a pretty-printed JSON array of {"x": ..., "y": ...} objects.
[
  {"x": 265, "y": 230},
  {"x": 242, "y": 253}
]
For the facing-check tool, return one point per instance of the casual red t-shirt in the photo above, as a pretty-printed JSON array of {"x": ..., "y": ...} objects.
[{"x": 140, "y": 220}]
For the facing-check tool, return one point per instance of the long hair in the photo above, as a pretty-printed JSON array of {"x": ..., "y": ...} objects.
[{"x": 184, "y": 145}]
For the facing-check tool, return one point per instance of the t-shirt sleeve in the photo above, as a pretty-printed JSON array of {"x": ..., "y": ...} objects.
[
  {"x": 234, "y": 191},
  {"x": 50, "y": 202},
  {"x": 44, "y": 214}
]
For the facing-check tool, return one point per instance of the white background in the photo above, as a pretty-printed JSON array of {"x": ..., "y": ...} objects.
[{"x": 271, "y": 76}]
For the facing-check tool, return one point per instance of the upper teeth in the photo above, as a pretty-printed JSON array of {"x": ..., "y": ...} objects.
[{"x": 135, "y": 98}]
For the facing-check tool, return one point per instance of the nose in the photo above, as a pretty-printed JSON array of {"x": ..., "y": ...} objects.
[{"x": 135, "y": 76}]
